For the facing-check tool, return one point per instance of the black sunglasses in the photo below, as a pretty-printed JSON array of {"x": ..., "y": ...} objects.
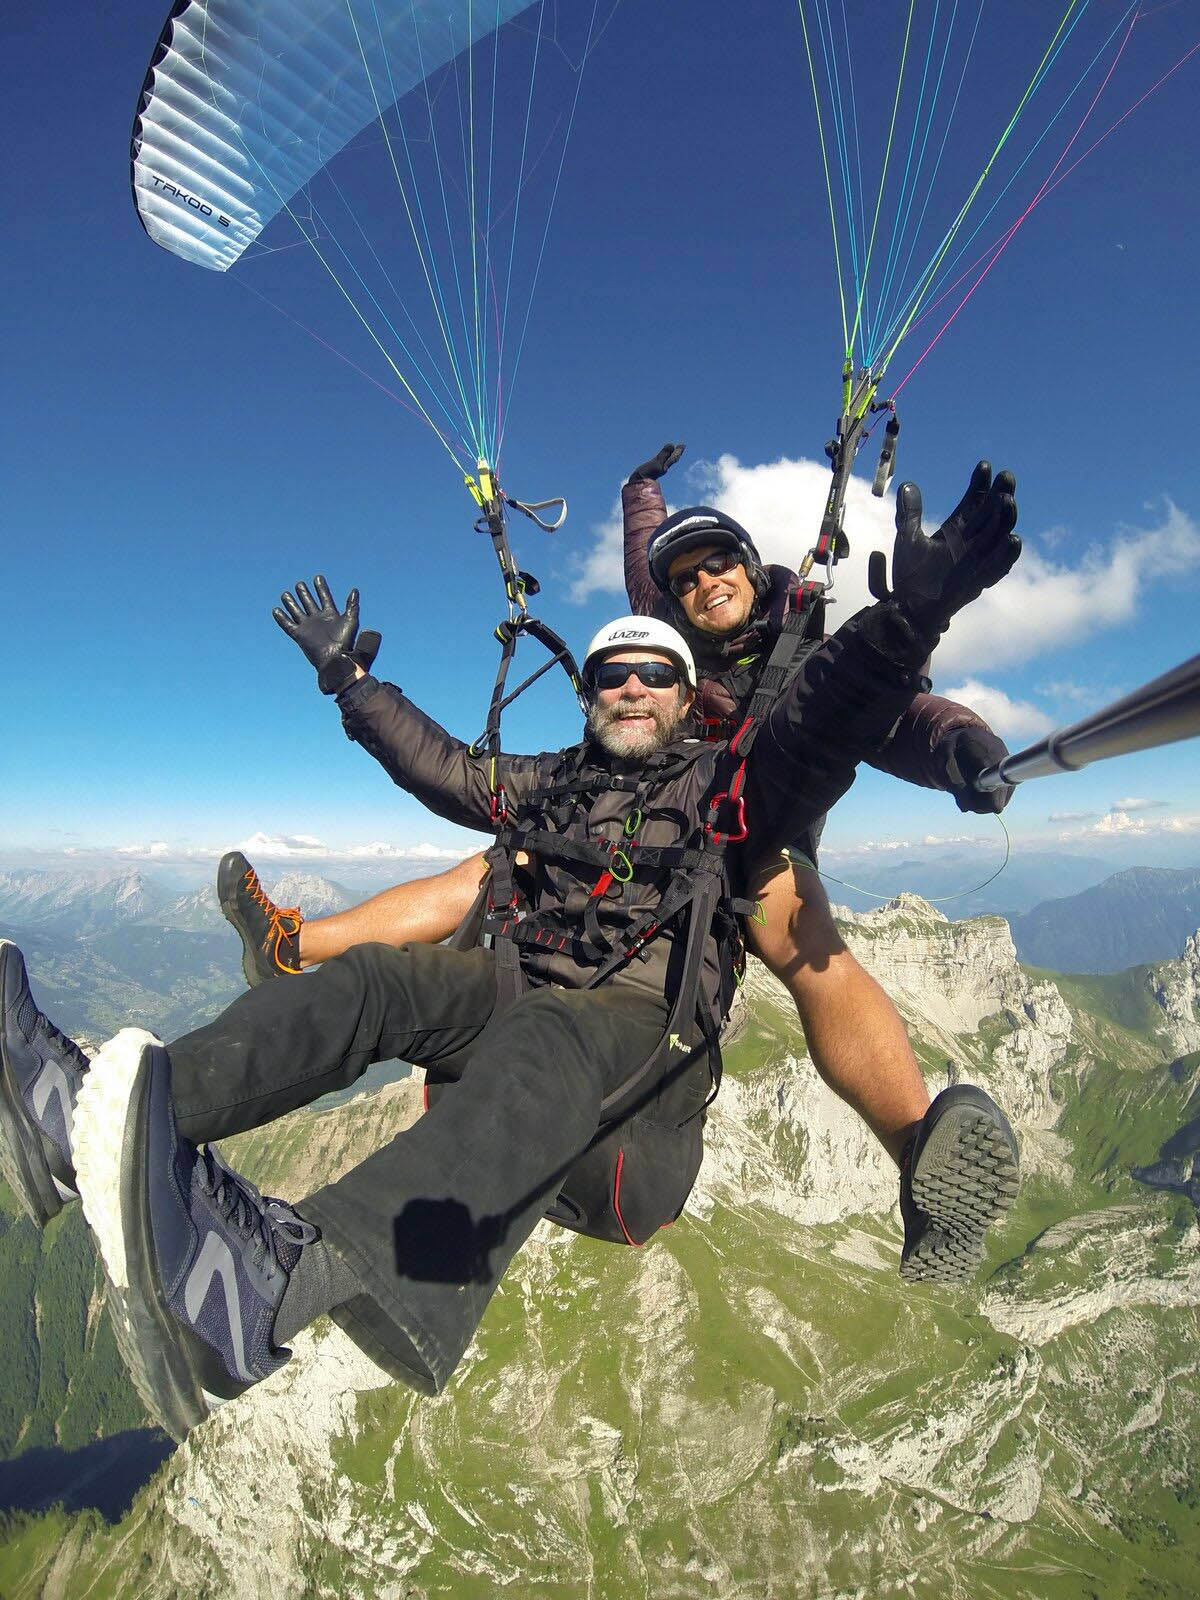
[
  {"x": 715, "y": 564},
  {"x": 654, "y": 674}
]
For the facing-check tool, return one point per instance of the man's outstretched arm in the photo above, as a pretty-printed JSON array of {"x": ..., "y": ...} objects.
[
  {"x": 643, "y": 509},
  {"x": 938, "y": 743},
  {"x": 850, "y": 692},
  {"x": 417, "y": 754}
]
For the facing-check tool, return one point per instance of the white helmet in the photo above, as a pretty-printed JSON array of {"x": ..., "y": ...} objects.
[{"x": 641, "y": 633}]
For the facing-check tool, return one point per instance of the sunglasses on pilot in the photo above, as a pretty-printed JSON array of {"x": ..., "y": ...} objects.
[
  {"x": 654, "y": 674},
  {"x": 715, "y": 564}
]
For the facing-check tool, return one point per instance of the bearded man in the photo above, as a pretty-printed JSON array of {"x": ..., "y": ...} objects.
[{"x": 593, "y": 1016}]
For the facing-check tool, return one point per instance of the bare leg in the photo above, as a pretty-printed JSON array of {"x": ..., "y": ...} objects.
[
  {"x": 855, "y": 1036},
  {"x": 423, "y": 911}
]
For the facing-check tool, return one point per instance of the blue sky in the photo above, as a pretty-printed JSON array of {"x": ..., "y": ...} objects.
[{"x": 176, "y": 452}]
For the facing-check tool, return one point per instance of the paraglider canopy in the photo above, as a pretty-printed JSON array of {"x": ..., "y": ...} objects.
[
  {"x": 246, "y": 100},
  {"x": 412, "y": 149}
]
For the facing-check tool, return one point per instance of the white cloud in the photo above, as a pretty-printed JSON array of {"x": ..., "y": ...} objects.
[
  {"x": 280, "y": 846},
  {"x": 1083, "y": 694},
  {"x": 1042, "y": 605},
  {"x": 283, "y": 847},
  {"x": 1139, "y": 805},
  {"x": 1072, "y": 816},
  {"x": 1016, "y": 721},
  {"x": 1121, "y": 824},
  {"x": 866, "y": 847},
  {"x": 602, "y": 569}
]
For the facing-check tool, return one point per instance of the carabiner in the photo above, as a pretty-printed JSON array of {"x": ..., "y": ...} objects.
[{"x": 619, "y": 858}]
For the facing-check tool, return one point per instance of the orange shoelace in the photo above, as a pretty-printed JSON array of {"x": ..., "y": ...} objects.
[{"x": 277, "y": 916}]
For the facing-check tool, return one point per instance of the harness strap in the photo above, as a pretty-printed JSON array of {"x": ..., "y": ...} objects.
[
  {"x": 782, "y": 666},
  {"x": 689, "y": 1028}
]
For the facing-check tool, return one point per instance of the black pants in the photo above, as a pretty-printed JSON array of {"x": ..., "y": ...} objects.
[{"x": 429, "y": 1223}]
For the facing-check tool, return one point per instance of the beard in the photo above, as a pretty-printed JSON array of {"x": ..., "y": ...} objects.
[{"x": 621, "y": 738}]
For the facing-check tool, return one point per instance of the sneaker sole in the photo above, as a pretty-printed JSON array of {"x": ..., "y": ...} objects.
[
  {"x": 108, "y": 1137},
  {"x": 22, "y": 1159},
  {"x": 966, "y": 1178}
]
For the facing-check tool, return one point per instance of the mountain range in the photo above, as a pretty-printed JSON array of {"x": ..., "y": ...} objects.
[
  {"x": 752, "y": 1406},
  {"x": 1135, "y": 916}
]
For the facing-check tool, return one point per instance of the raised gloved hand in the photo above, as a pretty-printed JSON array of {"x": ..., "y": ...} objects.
[
  {"x": 657, "y": 465},
  {"x": 325, "y": 634},
  {"x": 935, "y": 576},
  {"x": 965, "y": 753}
]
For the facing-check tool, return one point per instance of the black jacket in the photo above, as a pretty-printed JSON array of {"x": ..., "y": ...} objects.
[
  {"x": 915, "y": 749},
  {"x": 841, "y": 705}
]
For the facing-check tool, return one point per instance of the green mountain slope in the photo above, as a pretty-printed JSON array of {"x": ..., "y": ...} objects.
[{"x": 755, "y": 1405}]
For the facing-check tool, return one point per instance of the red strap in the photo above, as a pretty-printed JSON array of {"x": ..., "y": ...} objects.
[{"x": 629, "y": 1239}]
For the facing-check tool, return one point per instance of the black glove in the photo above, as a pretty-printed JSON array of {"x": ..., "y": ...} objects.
[
  {"x": 965, "y": 753},
  {"x": 935, "y": 577},
  {"x": 325, "y": 634},
  {"x": 657, "y": 465}
]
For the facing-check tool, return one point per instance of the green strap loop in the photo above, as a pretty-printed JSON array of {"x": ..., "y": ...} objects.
[{"x": 632, "y": 823}]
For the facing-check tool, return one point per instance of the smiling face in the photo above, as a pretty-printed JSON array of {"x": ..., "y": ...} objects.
[
  {"x": 719, "y": 605},
  {"x": 634, "y": 720}
]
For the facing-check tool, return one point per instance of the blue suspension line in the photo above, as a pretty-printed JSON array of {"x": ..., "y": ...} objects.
[
  {"x": 908, "y": 191},
  {"x": 553, "y": 199},
  {"x": 861, "y": 189},
  {"x": 903, "y": 275},
  {"x": 449, "y": 226},
  {"x": 935, "y": 262},
  {"x": 435, "y": 370},
  {"x": 837, "y": 118},
  {"x": 428, "y": 254},
  {"x": 512, "y": 242},
  {"x": 488, "y": 434},
  {"x": 456, "y": 423},
  {"x": 947, "y": 269}
]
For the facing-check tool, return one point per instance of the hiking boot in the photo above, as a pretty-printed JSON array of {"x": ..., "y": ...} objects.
[
  {"x": 959, "y": 1175},
  {"x": 270, "y": 934},
  {"x": 197, "y": 1260},
  {"x": 40, "y": 1074}
]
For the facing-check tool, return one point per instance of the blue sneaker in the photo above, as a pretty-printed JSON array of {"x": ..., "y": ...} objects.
[
  {"x": 40, "y": 1074},
  {"x": 959, "y": 1176},
  {"x": 198, "y": 1261}
]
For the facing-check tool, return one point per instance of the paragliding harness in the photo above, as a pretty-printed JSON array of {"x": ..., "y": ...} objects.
[
  {"x": 803, "y": 619},
  {"x": 638, "y": 1171}
]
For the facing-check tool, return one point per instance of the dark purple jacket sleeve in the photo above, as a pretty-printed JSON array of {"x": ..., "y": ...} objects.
[
  {"x": 642, "y": 509},
  {"x": 915, "y": 750}
]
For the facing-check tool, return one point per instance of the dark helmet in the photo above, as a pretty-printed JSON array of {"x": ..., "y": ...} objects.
[{"x": 694, "y": 527}]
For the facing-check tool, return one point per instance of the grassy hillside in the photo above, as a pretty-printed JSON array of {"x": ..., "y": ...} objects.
[{"x": 747, "y": 1409}]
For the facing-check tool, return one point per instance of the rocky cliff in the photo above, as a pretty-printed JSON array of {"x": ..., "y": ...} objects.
[{"x": 755, "y": 1405}]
